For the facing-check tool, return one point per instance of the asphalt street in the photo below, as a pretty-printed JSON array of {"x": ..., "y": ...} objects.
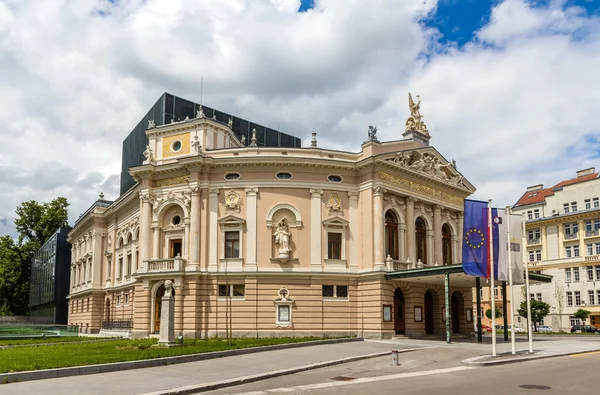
[{"x": 437, "y": 373}]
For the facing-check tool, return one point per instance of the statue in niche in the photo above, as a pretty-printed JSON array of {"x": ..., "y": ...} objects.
[
  {"x": 168, "y": 288},
  {"x": 148, "y": 154},
  {"x": 282, "y": 238},
  {"x": 196, "y": 144}
]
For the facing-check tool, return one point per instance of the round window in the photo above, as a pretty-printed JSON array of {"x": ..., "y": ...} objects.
[
  {"x": 176, "y": 146},
  {"x": 284, "y": 176},
  {"x": 232, "y": 176},
  {"x": 176, "y": 220},
  {"x": 335, "y": 178}
]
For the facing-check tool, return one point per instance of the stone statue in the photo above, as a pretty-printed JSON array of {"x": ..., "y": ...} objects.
[
  {"x": 253, "y": 140},
  {"x": 230, "y": 123},
  {"x": 243, "y": 140},
  {"x": 148, "y": 154},
  {"x": 168, "y": 289},
  {"x": 282, "y": 238},
  {"x": 415, "y": 121},
  {"x": 372, "y": 133},
  {"x": 200, "y": 112},
  {"x": 151, "y": 124},
  {"x": 196, "y": 144}
]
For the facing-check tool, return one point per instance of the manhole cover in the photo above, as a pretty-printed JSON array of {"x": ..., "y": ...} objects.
[
  {"x": 535, "y": 387},
  {"x": 343, "y": 378}
]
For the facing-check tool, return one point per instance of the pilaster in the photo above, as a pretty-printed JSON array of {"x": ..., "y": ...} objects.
[
  {"x": 213, "y": 202},
  {"x": 437, "y": 235},
  {"x": 315, "y": 230},
  {"x": 410, "y": 228},
  {"x": 378, "y": 228},
  {"x": 194, "y": 246},
  {"x": 251, "y": 224},
  {"x": 354, "y": 230}
]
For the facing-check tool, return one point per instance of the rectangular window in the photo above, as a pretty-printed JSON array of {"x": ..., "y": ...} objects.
[
  {"x": 238, "y": 290},
  {"x": 576, "y": 274},
  {"x": 567, "y": 229},
  {"x": 596, "y": 202},
  {"x": 531, "y": 256},
  {"x": 597, "y": 248},
  {"x": 234, "y": 290},
  {"x": 334, "y": 245},
  {"x": 566, "y": 208},
  {"x": 574, "y": 207},
  {"x": 531, "y": 296},
  {"x": 577, "y": 298},
  {"x": 126, "y": 298},
  {"x": 335, "y": 291},
  {"x": 590, "y": 273},
  {"x": 538, "y": 297},
  {"x": 536, "y": 213},
  {"x": 530, "y": 214},
  {"x": 597, "y": 272},
  {"x": 569, "y": 298},
  {"x": 108, "y": 268},
  {"x": 590, "y": 249},
  {"x": 538, "y": 255},
  {"x": 327, "y": 291},
  {"x": 576, "y": 251},
  {"x": 573, "y": 320},
  {"x": 232, "y": 244},
  {"x": 588, "y": 204},
  {"x": 596, "y": 224},
  {"x": 128, "y": 265},
  {"x": 283, "y": 313},
  {"x": 120, "y": 267},
  {"x": 480, "y": 293},
  {"x": 588, "y": 226},
  {"x": 598, "y": 296},
  {"x": 575, "y": 228},
  {"x": 568, "y": 275},
  {"x": 222, "y": 290},
  {"x": 568, "y": 251},
  {"x": 591, "y": 299},
  {"x": 495, "y": 292}
]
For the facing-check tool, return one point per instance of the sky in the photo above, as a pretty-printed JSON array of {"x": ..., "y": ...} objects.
[{"x": 510, "y": 88}]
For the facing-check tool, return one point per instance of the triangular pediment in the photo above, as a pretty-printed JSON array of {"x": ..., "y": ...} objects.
[
  {"x": 335, "y": 221},
  {"x": 231, "y": 220}
]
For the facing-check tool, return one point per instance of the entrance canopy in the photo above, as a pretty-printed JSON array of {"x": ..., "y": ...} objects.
[{"x": 436, "y": 274}]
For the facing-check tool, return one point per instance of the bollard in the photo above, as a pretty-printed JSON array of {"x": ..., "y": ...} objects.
[{"x": 395, "y": 358}]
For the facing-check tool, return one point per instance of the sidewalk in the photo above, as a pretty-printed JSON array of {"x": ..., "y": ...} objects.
[{"x": 139, "y": 381}]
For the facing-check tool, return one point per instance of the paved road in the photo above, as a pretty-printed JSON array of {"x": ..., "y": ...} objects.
[{"x": 573, "y": 375}]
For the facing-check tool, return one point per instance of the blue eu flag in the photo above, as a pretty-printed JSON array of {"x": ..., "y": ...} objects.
[{"x": 475, "y": 239}]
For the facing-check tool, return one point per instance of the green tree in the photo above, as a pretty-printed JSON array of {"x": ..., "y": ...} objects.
[
  {"x": 583, "y": 315},
  {"x": 488, "y": 313},
  {"x": 35, "y": 223},
  {"x": 539, "y": 310}
]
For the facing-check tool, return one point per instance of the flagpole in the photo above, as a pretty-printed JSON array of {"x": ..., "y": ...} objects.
[
  {"x": 529, "y": 333},
  {"x": 510, "y": 284},
  {"x": 491, "y": 269}
]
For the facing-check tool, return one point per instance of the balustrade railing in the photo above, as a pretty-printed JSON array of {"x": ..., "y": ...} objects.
[
  {"x": 590, "y": 233},
  {"x": 165, "y": 265},
  {"x": 571, "y": 236},
  {"x": 533, "y": 241},
  {"x": 120, "y": 324}
]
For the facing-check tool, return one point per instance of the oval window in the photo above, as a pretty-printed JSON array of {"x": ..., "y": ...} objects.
[
  {"x": 176, "y": 220},
  {"x": 335, "y": 178},
  {"x": 232, "y": 176},
  {"x": 176, "y": 146},
  {"x": 284, "y": 176}
]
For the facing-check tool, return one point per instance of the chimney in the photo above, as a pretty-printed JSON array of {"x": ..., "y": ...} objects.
[
  {"x": 586, "y": 172},
  {"x": 535, "y": 187}
]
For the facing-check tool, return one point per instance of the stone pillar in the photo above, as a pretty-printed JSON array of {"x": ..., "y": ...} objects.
[
  {"x": 455, "y": 257},
  {"x": 430, "y": 247},
  {"x": 580, "y": 237},
  {"x": 185, "y": 243},
  {"x": 194, "y": 246},
  {"x": 156, "y": 243},
  {"x": 213, "y": 216},
  {"x": 402, "y": 242},
  {"x": 354, "y": 231},
  {"x": 178, "y": 309},
  {"x": 315, "y": 230},
  {"x": 544, "y": 243},
  {"x": 410, "y": 228},
  {"x": 378, "y": 228},
  {"x": 461, "y": 223},
  {"x": 437, "y": 235},
  {"x": 167, "y": 321},
  {"x": 145, "y": 224},
  {"x": 251, "y": 224}
]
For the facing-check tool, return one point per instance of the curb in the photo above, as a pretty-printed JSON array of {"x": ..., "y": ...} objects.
[
  {"x": 215, "y": 385},
  {"x": 6, "y": 378},
  {"x": 473, "y": 361}
]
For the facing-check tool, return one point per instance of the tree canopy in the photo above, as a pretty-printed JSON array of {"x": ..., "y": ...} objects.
[
  {"x": 35, "y": 223},
  {"x": 539, "y": 310}
]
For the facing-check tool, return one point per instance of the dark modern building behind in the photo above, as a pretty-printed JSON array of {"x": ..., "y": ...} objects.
[
  {"x": 50, "y": 276},
  {"x": 172, "y": 108}
]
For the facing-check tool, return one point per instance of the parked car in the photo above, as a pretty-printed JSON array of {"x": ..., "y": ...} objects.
[
  {"x": 517, "y": 329},
  {"x": 584, "y": 328},
  {"x": 544, "y": 328},
  {"x": 484, "y": 328},
  {"x": 500, "y": 327}
]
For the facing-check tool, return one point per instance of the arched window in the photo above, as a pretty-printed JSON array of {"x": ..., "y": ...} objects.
[
  {"x": 391, "y": 235},
  {"x": 421, "y": 239},
  {"x": 446, "y": 245}
]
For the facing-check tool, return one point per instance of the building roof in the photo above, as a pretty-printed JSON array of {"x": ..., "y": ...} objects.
[{"x": 539, "y": 195}]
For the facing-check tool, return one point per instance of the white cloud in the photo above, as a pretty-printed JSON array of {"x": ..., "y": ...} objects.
[{"x": 82, "y": 74}]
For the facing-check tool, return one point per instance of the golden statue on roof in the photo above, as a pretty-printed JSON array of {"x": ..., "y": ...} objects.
[{"x": 415, "y": 121}]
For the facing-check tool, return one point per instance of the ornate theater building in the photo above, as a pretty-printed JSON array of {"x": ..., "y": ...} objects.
[{"x": 277, "y": 241}]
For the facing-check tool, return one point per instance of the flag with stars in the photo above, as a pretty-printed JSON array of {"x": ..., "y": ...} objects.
[{"x": 475, "y": 256}]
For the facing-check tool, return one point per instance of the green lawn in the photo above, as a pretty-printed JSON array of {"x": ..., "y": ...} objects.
[
  {"x": 79, "y": 354},
  {"x": 50, "y": 339}
]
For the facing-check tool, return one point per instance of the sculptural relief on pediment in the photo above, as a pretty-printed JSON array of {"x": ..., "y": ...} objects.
[{"x": 430, "y": 165}]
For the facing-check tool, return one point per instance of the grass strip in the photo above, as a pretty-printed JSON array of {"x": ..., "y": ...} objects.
[
  {"x": 50, "y": 339},
  {"x": 79, "y": 354}
]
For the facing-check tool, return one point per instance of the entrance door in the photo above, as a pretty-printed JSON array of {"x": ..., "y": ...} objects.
[
  {"x": 455, "y": 313},
  {"x": 399, "y": 312},
  {"x": 157, "y": 307},
  {"x": 175, "y": 248},
  {"x": 429, "y": 313}
]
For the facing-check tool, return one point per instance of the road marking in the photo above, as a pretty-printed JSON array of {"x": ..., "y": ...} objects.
[
  {"x": 586, "y": 354},
  {"x": 309, "y": 387}
]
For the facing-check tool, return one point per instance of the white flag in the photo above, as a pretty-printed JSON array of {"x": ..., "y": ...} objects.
[{"x": 514, "y": 246}]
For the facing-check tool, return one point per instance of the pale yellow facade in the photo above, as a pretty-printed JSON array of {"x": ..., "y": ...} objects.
[{"x": 273, "y": 241}]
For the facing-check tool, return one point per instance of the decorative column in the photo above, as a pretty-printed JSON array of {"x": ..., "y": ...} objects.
[
  {"x": 430, "y": 247},
  {"x": 213, "y": 215},
  {"x": 354, "y": 230},
  {"x": 378, "y": 228},
  {"x": 145, "y": 229},
  {"x": 251, "y": 224},
  {"x": 402, "y": 242},
  {"x": 544, "y": 243},
  {"x": 437, "y": 235},
  {"x": 410, "y": 228},
  {"x": 156, "y": 242},
  {"x": 315, "y": 230},
  {"x": 455, "y": 256},
  {"x": 461, "y": 223},
  {"x": 194, "y": 247}
]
